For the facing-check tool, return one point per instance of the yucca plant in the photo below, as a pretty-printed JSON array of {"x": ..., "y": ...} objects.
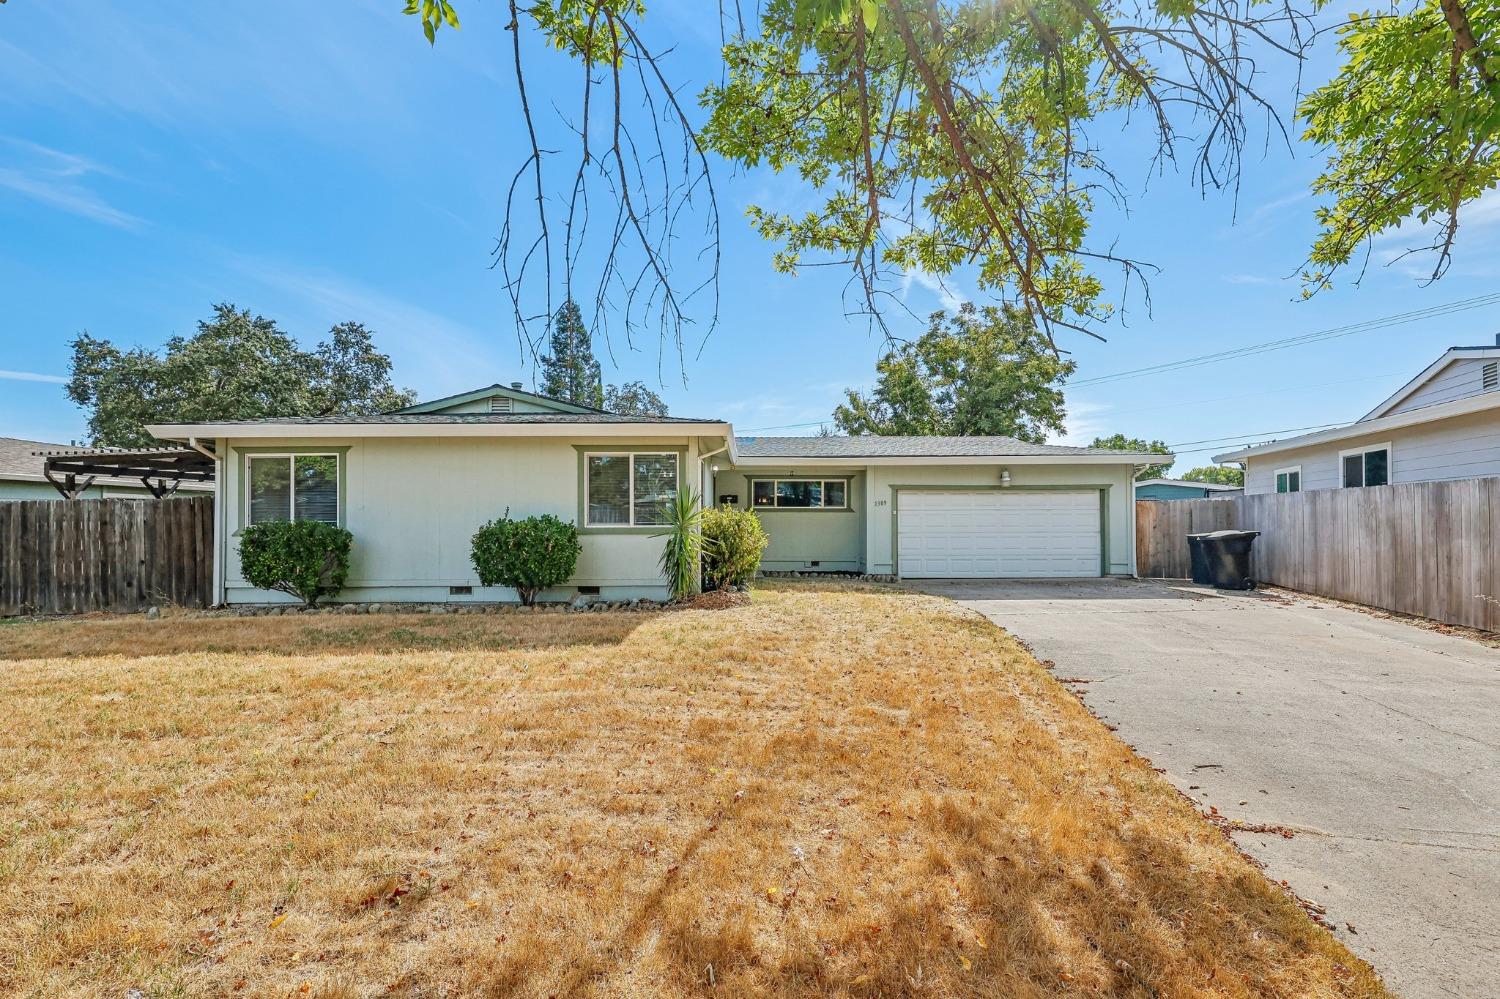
[{"x": 680, "y": 557}]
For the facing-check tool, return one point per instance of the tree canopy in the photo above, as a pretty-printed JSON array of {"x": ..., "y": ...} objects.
[
  {"x": 633, "y": 399},
  {"x": 569, "y": 368},
  {"x": 1119, "y": 442},
  {"x": 981, "y": 371},
  {"x": 939, "y": 135},
  {"x": 237, "y": 366},
  {"x": 1222, "y": 475},
  {"x": 1412, "y": 125}
]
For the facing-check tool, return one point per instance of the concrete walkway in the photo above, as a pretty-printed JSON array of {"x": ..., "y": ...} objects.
[{"x": 1378, "y": 741}]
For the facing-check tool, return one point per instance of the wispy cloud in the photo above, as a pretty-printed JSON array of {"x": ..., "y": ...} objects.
[
  {"x": 947, "y": 293},
  {"x": 427, "y": 348},
  {"x": 1249, "y": 279},
  {"x": 32, "y": 376},
  {"x": 1085, "y": 421},
  {"x": 58, "y": 179}
]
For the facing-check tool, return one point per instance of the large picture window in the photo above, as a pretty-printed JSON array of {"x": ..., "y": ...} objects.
[
  {"x": 629, "y": 490},
  {"x": 1366, "y": 466},
  {"x": 293, "y": 487},
  {"x": 800, "y": 494}
]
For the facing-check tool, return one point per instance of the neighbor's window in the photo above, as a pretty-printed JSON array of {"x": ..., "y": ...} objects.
[
  {"x": 1367, "y": 467},
  {"x": 294, "y": 487},
  {"x": 1289, "y": 480},
  {"x": 629, "y": 490},
  {"x": 803, "y": 494}
]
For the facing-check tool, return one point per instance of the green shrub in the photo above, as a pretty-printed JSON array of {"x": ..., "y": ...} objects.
[
  {"x": 733, "y": 541},
  {"x": 306, "y": 558},
  {"x": 530, "y": 554},
  {"x": 681, "y": 556}
]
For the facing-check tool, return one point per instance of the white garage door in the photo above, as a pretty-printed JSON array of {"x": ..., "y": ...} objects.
[{"x": 994, "y": 533}]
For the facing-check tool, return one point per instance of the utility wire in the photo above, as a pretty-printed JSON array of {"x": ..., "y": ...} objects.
[
  {"x": 1333, "y": 333},
  {"x": 1368, "y": 326}
]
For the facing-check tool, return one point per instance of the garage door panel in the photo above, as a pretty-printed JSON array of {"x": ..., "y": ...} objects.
[{"x": 996, "y": 534}]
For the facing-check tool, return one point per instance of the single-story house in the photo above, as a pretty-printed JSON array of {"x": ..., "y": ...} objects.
[
  {"x": 23, "y": 474},
  {"x": 413, "y": 486},
  {"x": 1443, "y": 424},
  {"x": 1176, "y": 489}
]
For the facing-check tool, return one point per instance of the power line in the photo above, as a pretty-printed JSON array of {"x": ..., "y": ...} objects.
[
  {"x": 1367, "y": 326},
  {"x": 1332, "y": 333}
]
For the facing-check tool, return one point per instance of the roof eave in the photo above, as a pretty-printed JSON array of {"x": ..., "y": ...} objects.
[
  {"x": 1361, "y": 428},
  {"x": 251, "y": 431},
  {"x": 847, "y": 461}
]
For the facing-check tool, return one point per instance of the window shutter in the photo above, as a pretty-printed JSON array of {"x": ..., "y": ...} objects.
[
  {"x": 499, "y": 404},
  {"x": 1490, "y": 376}
]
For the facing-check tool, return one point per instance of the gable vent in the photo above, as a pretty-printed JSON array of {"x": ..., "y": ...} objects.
[
  {"x": 1489, "y": 376},
  {"x": 499, "y": 404}
]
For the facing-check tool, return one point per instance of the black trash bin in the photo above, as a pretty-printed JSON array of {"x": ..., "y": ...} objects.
[
  {"x": 1228, "y": 556},
  {"x": 1198, "y": 559}
]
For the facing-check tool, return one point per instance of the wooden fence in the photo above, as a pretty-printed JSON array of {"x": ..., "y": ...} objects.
[
  {"x": 1424, "y": 548},
  {"x": 68, "y": 557}
]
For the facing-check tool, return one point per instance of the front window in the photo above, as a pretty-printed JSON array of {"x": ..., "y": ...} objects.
[
  {"x": 1289, "y": 480},
  {"x": 1367, "y": 467},
  {"x": 294, "y": 487},
  {"x": 630, "y": 490},
  {"x": 800, "y": 494}
]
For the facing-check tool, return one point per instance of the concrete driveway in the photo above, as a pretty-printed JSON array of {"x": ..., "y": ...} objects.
[{"x": 1377, "y": 741}]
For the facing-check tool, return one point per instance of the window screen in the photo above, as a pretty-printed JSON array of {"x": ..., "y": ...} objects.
[
  {"x": 630, "y": 489},
  {"x": 270, "y": 490},
  {"x": 293, "y": 487},
  {"x": 609, "y": 489}
]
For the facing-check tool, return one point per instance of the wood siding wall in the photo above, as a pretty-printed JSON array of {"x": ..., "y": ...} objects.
[
  {"x": 59, "y": 557},
  {"x": 1424, "y": 548}
]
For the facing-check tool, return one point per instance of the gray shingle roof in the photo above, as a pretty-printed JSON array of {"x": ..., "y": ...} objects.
[
  {"x": 900, "y": 447},
  {"x": 437, "y": 419}
]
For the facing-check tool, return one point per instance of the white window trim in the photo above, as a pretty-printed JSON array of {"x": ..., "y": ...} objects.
[
  {"x": 292, "y": 456},
  {"x": 1298, "y": 469},
  {"x": 1390, "y": 462},
  {"x": 802, "y": 478},
  {"x": 676, "y": 461}
]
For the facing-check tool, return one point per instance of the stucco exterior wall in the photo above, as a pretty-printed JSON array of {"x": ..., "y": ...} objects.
[
  {"x": 1462, "y": 447},
  {"x": 833, "y": 539},
  {"x": 414, "y": 503},
  {"x": 798, "y": 537},
  {"x": 1117, "y": 481}
]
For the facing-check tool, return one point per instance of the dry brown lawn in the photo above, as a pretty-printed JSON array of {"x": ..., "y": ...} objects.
[{"x": 832, "y": 791}]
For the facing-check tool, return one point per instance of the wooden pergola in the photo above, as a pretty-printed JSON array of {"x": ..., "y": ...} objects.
[{"x": 160, "y": 469}]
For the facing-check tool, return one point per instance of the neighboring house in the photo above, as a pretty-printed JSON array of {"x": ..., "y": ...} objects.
[
  {"x": 1443, "y": 424},
  {"x": 1176, "y": 489},
  {"x": 22, "y": 476},
  {"x": 414, "y": 485}
]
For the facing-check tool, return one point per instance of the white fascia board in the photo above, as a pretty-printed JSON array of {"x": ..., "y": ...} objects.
[
  {"x": 1411, "y": 386},
  {"x": 1426, "y": 375},
  {"x": 1427, "y": 414},
  {"x": 324, "y": 431},
  {"x": 1120, "y": 458}
]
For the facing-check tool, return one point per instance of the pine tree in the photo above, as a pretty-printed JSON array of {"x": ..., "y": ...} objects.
[{"x": 569, "y": 369}]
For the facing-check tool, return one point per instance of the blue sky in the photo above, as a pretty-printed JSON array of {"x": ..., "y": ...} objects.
[{"x": 318, "y": 162}]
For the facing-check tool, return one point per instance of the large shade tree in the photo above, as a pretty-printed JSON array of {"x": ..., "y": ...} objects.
[
  {"x": 237, "y": 366},
  {"x": 1119, "y": 442},
  {"x": 937, "y": 135},
  {"x": 981, "y": 371}
]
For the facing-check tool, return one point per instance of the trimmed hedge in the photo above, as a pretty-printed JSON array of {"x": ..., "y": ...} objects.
[
  {"x": 306, "y": 558},
  {"x": 733, "y": 542},
  {"x": 529, "y": 555}
]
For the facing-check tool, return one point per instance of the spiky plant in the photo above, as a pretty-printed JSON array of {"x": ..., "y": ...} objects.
[{"x": 681, "y": 555}]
